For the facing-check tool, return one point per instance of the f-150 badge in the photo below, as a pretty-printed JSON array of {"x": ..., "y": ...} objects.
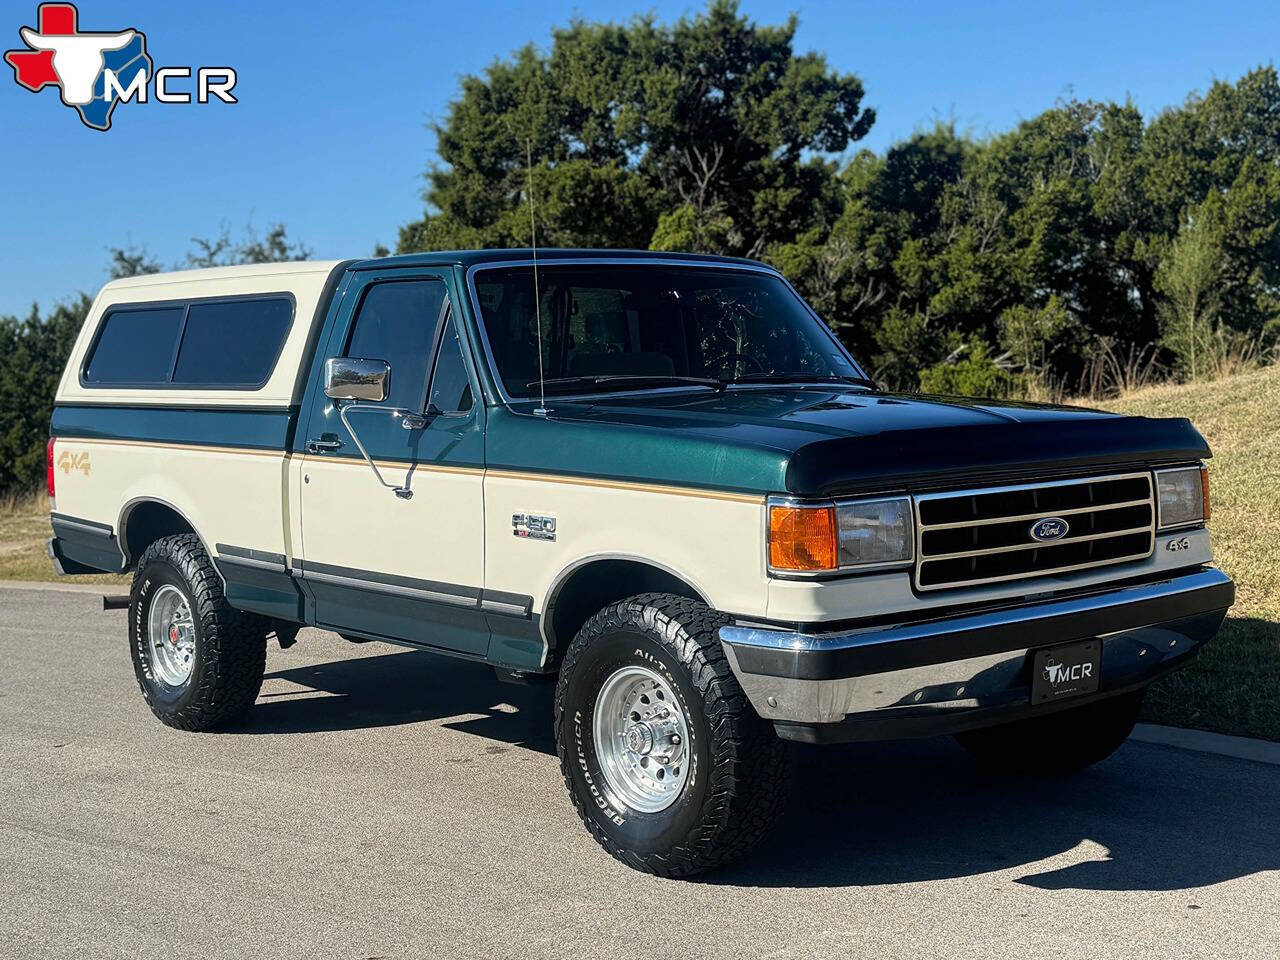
[{"x": 533, "y": 527}]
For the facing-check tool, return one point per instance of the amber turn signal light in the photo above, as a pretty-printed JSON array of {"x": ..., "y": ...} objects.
[
  {"x": 802, "y": 539},
  {"x": 1204, "y": 490}
]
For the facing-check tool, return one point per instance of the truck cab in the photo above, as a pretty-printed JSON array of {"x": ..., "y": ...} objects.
[{"x": 658, "y": 481}]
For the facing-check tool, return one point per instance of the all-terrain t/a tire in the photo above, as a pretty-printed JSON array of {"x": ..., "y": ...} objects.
[
  {"x": 1058, "y": 743},
  {"x": 668, "y": 765},
  {"x": 198, "y": 660}
]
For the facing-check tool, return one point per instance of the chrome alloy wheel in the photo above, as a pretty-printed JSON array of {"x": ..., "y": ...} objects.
[
  {"x": 171, "y": 635},
  {"x": 641, "y": 738}
]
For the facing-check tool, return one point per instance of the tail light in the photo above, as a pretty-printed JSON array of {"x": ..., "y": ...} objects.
[{"x": 49, "y": 466}]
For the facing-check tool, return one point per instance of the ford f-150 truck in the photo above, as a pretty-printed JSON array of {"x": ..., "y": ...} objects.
[{"x": 658, "y": 480}]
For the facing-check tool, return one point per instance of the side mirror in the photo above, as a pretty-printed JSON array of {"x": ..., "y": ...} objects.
[{"x": 351, "y": 378}]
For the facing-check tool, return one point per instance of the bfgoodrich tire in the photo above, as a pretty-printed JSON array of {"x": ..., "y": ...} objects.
[
  {"x": 198, "y": 660},
  {"x": 1058, "y": 743},
  {"x": 668, "y": 765}
]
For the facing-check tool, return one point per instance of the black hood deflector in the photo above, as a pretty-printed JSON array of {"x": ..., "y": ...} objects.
[{"x": 953, "y": 456}]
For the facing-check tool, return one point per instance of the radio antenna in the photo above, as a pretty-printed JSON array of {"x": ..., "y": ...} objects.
[{"x": 541, "y": 409}]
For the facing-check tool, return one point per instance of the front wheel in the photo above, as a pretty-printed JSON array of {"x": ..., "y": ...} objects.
[
  {"x": 1058, "y": 743},
  {"x": 198, "y": 660},
  {"x": 668, "y": 765}
]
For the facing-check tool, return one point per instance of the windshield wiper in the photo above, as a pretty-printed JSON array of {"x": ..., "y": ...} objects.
[
  {"x": 624, "y": 381},
  {"x": 803, "y": 378}
]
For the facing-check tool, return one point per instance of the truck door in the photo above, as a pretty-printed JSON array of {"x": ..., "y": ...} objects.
[{"x": 407, "y": 564}]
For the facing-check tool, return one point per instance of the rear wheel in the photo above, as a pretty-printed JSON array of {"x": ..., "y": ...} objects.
[
  {"x": 199, "y": 661},
  {"x": 1058, "y": 743},
  {"x": 668, "y": 765}
]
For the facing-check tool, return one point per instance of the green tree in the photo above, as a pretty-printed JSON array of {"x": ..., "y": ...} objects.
[
  {"x": 710, "y": 134},
  {"x": 973, "y": 373},
  {"x": 33, "y": 352},
  {"x": 1044, "y": 341},
  {"x": 1045, "y": 258},
  {"x": 220, "y": 250},
  {"x": 1190, "y": 279},
  {"x": 131, "y": 262}
]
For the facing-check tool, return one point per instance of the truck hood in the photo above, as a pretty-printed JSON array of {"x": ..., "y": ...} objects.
[{"x": 845, "y": 440}]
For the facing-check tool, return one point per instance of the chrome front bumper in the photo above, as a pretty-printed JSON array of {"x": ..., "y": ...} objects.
[{"x": 967, "y": 670}]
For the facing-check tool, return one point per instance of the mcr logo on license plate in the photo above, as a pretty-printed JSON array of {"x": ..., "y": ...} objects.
[{"x": 1066, "y": 671}]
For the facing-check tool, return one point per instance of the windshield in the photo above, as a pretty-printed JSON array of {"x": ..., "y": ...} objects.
[{"x": 610, "y": 328}]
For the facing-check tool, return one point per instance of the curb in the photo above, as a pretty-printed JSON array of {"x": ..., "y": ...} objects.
[{"x": 1202, "y": 741}]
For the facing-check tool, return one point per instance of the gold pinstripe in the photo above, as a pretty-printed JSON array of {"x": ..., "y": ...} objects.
[
  {"x": 527, "y": 476},
  {"x": 628, "y": 485},
  {"x": 158, "y": 445}
]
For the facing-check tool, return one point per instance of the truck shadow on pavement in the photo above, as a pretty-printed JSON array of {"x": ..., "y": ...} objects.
[
  {"x": 401, "y": 688},
  {"x": 1149, "y": 818}
]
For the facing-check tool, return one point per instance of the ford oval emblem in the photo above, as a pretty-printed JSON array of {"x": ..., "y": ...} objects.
[{"x": 1049, "y": 529}]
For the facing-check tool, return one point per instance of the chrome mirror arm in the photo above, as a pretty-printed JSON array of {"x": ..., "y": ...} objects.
[{"x": 410, "y": 421}]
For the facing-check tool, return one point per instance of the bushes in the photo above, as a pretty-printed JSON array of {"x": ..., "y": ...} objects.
[
  {"x": 976, "y": 374},
  {"x": 32, "y": 354},
  {"x": 1089, "y": 248}
]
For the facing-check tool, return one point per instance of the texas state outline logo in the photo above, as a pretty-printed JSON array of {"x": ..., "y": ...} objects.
[{"x": 95, "y": 71}]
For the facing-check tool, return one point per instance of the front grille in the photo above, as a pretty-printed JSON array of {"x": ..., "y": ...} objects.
[{"x": 971, "y": 537}]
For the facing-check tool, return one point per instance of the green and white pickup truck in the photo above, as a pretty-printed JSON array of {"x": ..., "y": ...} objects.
[{"x": 658, "y": 480}]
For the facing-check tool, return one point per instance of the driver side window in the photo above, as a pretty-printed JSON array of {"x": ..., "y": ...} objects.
[{"x": 396, "y": 322}]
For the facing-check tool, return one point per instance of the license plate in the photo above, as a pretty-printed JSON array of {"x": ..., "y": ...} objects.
[{"x": 1066, "y": 671}]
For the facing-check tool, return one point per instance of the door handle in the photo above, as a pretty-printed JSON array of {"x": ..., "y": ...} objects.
[{"x": 328, "y": 442}]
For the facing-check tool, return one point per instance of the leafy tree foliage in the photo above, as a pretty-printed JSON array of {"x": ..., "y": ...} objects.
[
  {"x": 220, "y": 250},
  {"x": 1052, "y": 259},
  {"x": 32, "y": 354},
  {"x": 712, "y": 134},
  {"x": 1067, "y": 246}
]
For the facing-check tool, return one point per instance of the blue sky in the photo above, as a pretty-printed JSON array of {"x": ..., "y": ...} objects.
[{"x": 330, "y": 133}]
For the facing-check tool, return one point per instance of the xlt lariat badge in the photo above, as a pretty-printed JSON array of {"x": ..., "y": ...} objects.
[{"x": 533, "y": 527}]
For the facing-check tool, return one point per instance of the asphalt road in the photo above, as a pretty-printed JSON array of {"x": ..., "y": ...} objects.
[{"x": 386, "y": 803}]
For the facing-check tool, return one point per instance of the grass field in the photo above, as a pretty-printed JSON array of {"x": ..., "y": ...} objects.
[
  {"x": 24, "y": 528},
  {"x": 1234, "y": 686}
]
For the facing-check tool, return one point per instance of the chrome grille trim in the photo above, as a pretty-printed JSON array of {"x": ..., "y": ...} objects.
[
  {"x": 1032, "y": 547},
  {"x": 1036, "y": 516}
]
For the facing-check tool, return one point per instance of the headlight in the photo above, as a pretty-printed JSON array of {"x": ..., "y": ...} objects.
[
  {"x": 1184, "y": 496},
  {"x": 874, "y": 531},
  {"x": 826, "y": 537}
]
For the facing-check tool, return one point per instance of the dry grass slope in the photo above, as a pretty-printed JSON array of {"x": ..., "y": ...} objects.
[
  {"x": 24, "y": 528},
  {"x": 1234, "y": 687}
]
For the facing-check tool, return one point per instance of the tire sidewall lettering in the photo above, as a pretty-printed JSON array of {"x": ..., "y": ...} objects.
[
  {"x": 653, "y": 832},
  {"x": 155, "y": 574},
  {"x": 584, "y": 767}
]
